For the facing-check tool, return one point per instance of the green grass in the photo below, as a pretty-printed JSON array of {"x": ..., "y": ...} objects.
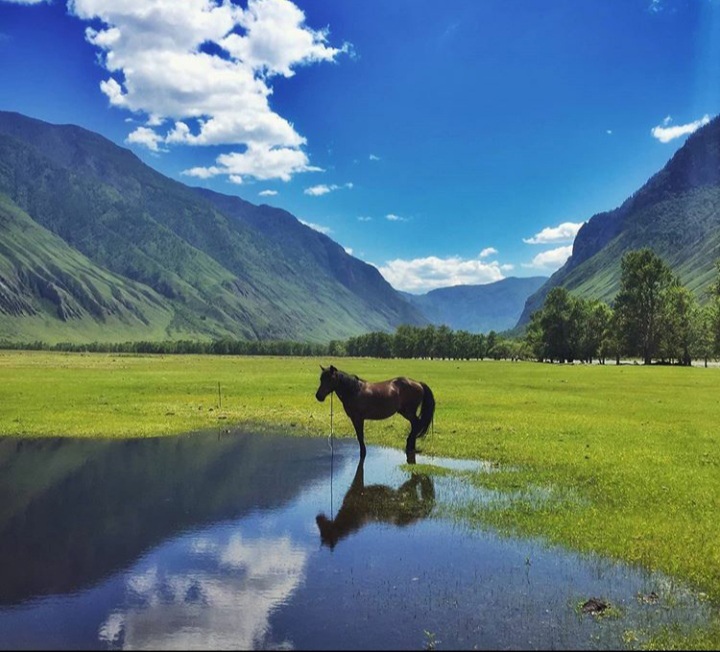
[{"x": 627, "y": 457}]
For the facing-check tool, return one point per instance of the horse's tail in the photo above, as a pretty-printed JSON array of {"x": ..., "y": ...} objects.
[{"x": 427, "y": 410}]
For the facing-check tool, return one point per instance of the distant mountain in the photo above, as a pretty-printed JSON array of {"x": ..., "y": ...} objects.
[
  {"x": 676, "y": 213},
  {"x": 96, "y": 245},
  {"x": 478, "y": 308}
]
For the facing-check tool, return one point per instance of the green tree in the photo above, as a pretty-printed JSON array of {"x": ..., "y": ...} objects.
[
  {"x": 598, "y": 331},
  {"x": 640, "y": 304},
  {"x": 405, "y": 341},
  {"x": 681, "y": 325},
  {"x": 556, "y": 321},
  {"x": 713, "y": 312}
]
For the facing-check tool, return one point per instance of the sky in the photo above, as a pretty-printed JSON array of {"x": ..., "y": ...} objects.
[{"x": 456, "y": 142}]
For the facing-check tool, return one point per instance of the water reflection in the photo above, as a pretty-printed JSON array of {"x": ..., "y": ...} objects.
[
  {"x": 200, "y": 542},
  {"x": 73, "y": 512},
  {"x": 221, "y": 598},
  {"x": 377, "y": 503}
]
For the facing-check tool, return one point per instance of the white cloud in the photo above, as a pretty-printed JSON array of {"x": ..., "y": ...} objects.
[
  {"x": 146, "y": 137},
  {"x": 374, "y": 158},
  {"x": 564, "y": 232},
  {"x": 550, "y": 260},
  {"x": 324, "y": 189},
  {"x": 199, "y": 73},
  {"x": 317, "y": 227},
  {"x": 666, "y": 133},
  {"x": 391, "y": 217},
  {"x": 364, "y": 218},
  {"x": 258, "y": 161},
  {"x": 317, "y": 191},
  {"x": 488, "y": 251},
  {"x": 268, "y": 193},
  {"x": 424, "y": 274}
]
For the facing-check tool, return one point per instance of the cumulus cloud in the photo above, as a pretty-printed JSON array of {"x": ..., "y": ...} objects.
[
  {"x": 364, "y": 218},
  {"x": 424, "y": 274},
  {"x": 488, "y": 251},
  {"x": 374, "y": 158},
  {"x": 391, "y": 217},
  {"x": 199, "y": 73},
  {"x": 268, "y": 193},
  {"x": 564, "y": 232},
  {"x": 666, "y": 133},
  {"x": 551, "y": 260},
  {"x": 324, "y": 189}
]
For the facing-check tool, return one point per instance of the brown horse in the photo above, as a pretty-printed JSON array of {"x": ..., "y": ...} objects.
[{"x": 364, "y": 400}]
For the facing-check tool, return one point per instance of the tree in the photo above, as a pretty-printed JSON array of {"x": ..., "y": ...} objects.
[
  {"x": 598, "y": 331},
  {"x": 556, "y": 323},
  {"x": 405, "y": 341},
  {"x": 681, "y": 325},
  {"x": 713, "y": 312},
  {"x": 640, "y": 303}
]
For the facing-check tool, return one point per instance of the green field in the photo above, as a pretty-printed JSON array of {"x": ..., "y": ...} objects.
[{"x": 626, "y": 458}]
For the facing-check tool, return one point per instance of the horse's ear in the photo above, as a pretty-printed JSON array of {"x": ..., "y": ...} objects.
[
  {"x": 332, "y": 369},
  {"x": 322, "y": 368}
]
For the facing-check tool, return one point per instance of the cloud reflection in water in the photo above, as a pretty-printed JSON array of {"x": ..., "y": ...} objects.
[{"x": 222, "y": 601}]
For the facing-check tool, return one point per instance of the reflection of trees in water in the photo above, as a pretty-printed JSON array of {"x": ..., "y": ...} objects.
[
  {"x": 378, "y": 503},
  {"x": 76, "y": 510}
]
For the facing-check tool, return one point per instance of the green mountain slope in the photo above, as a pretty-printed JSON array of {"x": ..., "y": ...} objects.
[
  {"x": 217, "y": 275},
  {"x": 45, "y": 283},
  {"x": 676, "y": 213},
  {"x": 478, "y": 308}
]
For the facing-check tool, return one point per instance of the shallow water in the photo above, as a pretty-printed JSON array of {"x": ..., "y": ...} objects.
[{"x": 241, "y": 541}]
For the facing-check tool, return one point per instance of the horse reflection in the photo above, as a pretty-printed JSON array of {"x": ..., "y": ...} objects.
[{"x": 377, "y": 503}]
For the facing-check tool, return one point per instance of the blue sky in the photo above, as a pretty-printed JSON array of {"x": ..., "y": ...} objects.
[{"x": 454, "y": 142}]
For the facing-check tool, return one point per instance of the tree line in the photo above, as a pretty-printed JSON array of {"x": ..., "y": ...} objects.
[
  {"x": 407, "y": 342},
  {"x": 653, "y": 317}
]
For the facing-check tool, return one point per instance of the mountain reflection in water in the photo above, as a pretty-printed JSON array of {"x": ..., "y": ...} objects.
[{"x": 224, "y": 542}]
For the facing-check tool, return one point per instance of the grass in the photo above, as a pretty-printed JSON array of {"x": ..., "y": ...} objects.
[{"x": 627, "y": 457}]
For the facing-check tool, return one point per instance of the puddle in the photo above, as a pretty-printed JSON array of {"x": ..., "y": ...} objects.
[{"x": 240, "y": 541}]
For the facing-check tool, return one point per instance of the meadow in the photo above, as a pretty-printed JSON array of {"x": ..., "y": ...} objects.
[{"x": 623, "y": 461}]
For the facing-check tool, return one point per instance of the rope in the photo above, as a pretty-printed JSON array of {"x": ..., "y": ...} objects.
[{"x": 332, "y": 455}]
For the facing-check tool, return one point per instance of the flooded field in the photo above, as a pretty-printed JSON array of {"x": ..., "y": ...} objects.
[{"x": 239, "y": 541}]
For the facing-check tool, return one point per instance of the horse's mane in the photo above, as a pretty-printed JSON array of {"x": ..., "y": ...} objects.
[{"x": 348, "y": 381}]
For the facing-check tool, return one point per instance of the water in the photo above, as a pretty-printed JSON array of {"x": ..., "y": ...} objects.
[{"x": 239, "y": 541}]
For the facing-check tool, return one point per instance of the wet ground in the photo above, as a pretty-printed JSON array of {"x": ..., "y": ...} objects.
[{"x": 238, "y": 541}]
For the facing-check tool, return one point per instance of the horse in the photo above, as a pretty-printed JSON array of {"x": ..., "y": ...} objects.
[
  {"x": 365, "y": 400},
  {"x": 377, "y": 503}
]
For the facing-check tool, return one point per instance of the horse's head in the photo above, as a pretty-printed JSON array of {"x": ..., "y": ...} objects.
[{"x": 328, "y": 382}]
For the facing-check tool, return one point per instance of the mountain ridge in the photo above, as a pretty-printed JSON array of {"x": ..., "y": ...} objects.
[
  {"x": 478, "y": 308},
  {"x": 676, "y": 213},
  {"x": 218, "y": 275}
]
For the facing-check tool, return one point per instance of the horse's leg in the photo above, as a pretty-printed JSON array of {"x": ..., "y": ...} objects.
[
  {"x": 414, "y": 427},
  {"x": 360, "y": 433}
]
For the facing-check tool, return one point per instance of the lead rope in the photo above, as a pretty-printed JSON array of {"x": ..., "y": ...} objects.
[{"x": 332, "y": 455}]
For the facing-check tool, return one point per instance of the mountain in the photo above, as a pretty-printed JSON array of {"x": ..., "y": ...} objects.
[
  {"x": 96, "y": 245},
  {"x": 676, "y": 213},
  {"x": 477, "y": 308}
]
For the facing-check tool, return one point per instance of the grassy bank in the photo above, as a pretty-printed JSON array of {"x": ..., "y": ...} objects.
[{"x": 628, "y": 458}]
